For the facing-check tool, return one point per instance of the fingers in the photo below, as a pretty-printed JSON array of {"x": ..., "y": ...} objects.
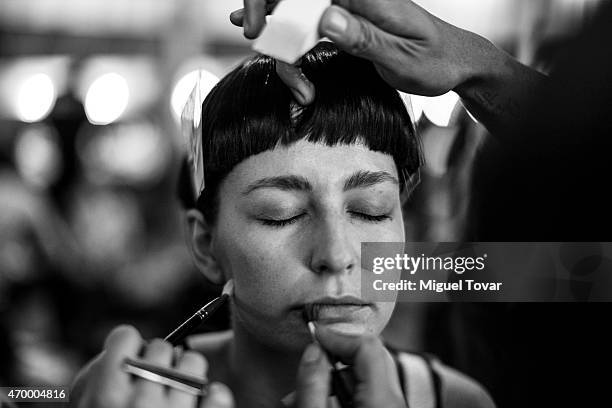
[
  {"x": 312, "y": 379},
  {"x": 302, "y": 89},
  {"x": 401, "y": 17},
  {"x": 237, "y": 17},
  {"x": 219, "y": 396},
  {"x": 254, "y": 18},
  {"x": 352, "y": 349},
  {"x": 122, "y": 342},
  {"x": 158, "y": 353},
  {"x": 105, "y": 383},
  {"x": 376, "y": 12},
  {"x": 357, "y": 35},
  {"x": 373, "y": 366},
  {"x": 192, "y": 363},
  {"x": 343, "y": 346}
]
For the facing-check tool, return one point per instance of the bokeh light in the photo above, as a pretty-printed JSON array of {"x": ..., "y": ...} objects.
[
  {"x": 106, "y": 99},
  {"x": 37, "y": 155},
  {"x": 129, "y": 152},
  {"x": 185, "y": 85},
  {"x": 35, "y": 98}
]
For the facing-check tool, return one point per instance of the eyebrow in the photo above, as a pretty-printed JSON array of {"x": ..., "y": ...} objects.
[
  {"x": 364, "y": 179},
  {"x": 359, "y": 179},
  {"x": 281, "y": 182}
]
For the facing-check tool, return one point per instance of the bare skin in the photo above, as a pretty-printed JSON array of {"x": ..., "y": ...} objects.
[
  {"x": 417, "y": 53},
  {"x": 288, "y": 233}
]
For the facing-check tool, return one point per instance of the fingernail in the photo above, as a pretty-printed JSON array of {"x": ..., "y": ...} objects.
[
  {"x": 312, "y": 353},
  {"x": 219, "y": 396},
  {"x": 336, "y": 23},
  {"x": 299, "y": 96},
  {"x": 304, "y": 91}
]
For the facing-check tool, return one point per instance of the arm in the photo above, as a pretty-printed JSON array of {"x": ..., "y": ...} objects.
[
  {"x": 499, "y": 90},
  {"x": 418, "y": 53}
]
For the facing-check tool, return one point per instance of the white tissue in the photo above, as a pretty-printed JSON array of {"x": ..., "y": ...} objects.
[{"x": 292, "y": 29}]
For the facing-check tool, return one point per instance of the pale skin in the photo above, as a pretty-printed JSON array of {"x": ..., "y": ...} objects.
[
  {"x": 288, "y": 231},
  {"x": 413, "y": 51},
  {"x": 417, "y": 53}
]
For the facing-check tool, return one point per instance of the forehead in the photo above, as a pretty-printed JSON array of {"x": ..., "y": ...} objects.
[{"x": 319, "y": 163}]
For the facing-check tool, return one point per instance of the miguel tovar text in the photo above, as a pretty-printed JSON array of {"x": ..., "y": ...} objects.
[{"x": 432, "y": 285}]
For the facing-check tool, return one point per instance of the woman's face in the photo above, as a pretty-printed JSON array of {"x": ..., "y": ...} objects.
[{"x": 289, "y": 231}]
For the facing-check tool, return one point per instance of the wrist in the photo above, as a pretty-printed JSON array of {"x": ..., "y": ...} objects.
[{"x": 480, "y": 64}]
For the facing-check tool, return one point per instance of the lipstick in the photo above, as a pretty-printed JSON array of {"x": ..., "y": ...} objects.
[{"x": 342, "y": 376}]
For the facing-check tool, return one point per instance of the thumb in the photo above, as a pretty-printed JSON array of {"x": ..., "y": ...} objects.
[
  {"x": 219, "y": 396},
  {"x": 313, "y": 379},
  {"x": 354, "y": 34}
]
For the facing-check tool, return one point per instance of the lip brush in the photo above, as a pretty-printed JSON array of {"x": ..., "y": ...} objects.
[{"x": 342, "y": 378}]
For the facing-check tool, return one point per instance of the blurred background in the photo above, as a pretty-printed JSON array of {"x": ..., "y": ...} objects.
[{"x": 91, "y": 233}]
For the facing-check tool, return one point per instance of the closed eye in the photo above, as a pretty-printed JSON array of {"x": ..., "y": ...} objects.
[
  {"x": 370, "y": 217},
  {"x": 280, "y": 223}
]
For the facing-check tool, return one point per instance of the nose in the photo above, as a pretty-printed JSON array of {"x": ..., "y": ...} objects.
[{"x": 334, "y": 249}]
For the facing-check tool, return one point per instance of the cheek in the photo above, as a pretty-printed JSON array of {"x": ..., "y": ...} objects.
[
  {"x": 264, "y": 271},
  {"x": 392, "y": 231},
  {"x": 385, "y": 310}
]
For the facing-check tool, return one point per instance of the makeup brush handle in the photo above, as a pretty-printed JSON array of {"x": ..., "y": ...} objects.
[
  {"x": 343, "y": 386},
  {"x": 185, "y": 329},
  {"x": 191, "y": 324}
]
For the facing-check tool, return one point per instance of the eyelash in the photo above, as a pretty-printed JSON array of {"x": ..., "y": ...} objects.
[
  {"x": 292, "y": 220},
  {"x": 371, "y": 218},
  {"x": 281, "y": 223}
]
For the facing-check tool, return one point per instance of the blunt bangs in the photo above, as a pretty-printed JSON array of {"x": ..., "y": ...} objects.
[{"x": 251, "y": 110}]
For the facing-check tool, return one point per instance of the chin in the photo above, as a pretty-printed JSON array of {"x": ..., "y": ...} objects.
[
  {"x": 286, "y": 338},
  {"x": 349, "y": 328}
]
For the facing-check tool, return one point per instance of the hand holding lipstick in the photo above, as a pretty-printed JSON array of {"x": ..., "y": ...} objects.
[{"x": 374, "y": 369}]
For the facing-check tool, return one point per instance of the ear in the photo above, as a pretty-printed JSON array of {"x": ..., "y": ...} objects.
[{"x": 201, "y": 245}]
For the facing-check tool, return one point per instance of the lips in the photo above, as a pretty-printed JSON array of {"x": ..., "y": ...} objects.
[{"x": 334, "y": 309}]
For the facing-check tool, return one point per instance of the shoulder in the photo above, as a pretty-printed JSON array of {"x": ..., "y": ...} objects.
[{"x": 431, "y": 384}]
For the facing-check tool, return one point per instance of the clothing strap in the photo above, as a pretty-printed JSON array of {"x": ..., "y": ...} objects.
[{"x": 419, "y": 381}]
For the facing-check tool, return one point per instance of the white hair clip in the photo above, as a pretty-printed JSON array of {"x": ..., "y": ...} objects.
[
  {"x": 411, "y": 181},
  {"x": 191, "y": 129},
  {"x": 292, "y": 29}
]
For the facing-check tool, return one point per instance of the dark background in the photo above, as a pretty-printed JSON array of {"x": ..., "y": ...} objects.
[{"x": 91, "y": 233}]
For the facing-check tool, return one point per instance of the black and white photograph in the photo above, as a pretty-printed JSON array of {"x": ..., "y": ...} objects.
[{"x": 305, "y": 203}]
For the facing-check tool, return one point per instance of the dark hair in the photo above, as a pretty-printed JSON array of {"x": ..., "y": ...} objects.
[{"x": 251, "y": 111}]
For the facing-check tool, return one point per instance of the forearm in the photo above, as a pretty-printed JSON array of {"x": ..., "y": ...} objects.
[{"x": 499, "y": 91}]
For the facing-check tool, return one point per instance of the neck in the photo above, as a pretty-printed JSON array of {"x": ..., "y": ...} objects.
[{"x": 261, "y": 376}]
